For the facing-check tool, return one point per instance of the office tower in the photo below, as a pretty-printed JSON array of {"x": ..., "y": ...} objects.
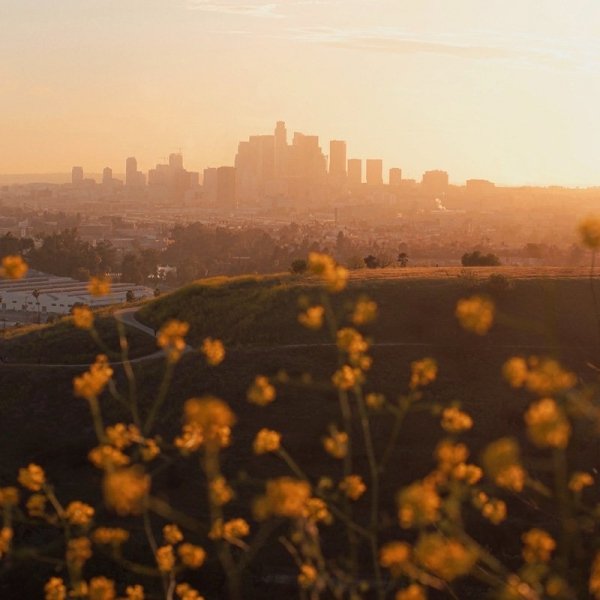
[
  {"x": 337, "y": 158},
  {"x": 107, "y": 176},
  {"x": 77, "y": 175},
  {"x": 395, "y": 176},
  {"x": 435, "y": 182},
  {"x": 374, "y": 171},
  {"x": 355, "y": 171},
  {"x": 131, "y": 172},
  {"x": 209, "y": 186},
  {"x": 306, "y": 158},
  {"x": 281, "y": 149},
  {"x": 226, "y": 197},
  {"x": 176, "y": 161}
]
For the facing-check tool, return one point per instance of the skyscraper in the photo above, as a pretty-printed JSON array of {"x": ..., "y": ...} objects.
[
  {"x": 107, "y": 176},
  {"x": 374, "y": 171},
  {"x": 337, "y": 158},
  {"x": 281, "y": 149},
  {"x": 176, "y": 161},
  {"x": 77, "y": 175},
  {"x": 435, "y": 182},
  {"x": 226, "y": 197},
  {"x": 395, "y": 176},
  {"x": 133, "y": 177},
  {"x": 355, "y": 171}
]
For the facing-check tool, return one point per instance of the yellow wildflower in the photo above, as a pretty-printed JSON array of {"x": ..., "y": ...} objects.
[
  {"x": 316, "y": 510},
  {"x": 83, "y": 317},
  {"x": 220, "y": 491},
  {"x": 580, "y": 480},
  {"x": 261, "y": 392},
  {"x": 455, "y": 420},
  {"x": 365, "y": 311},
  {"x": 470, "y": 474},
  {"x": 515, "y": 371},
  {"x": 210, "y": 421},
  {"x": 125, "y": 490},
  {"x": 312, "y": 318},
  {"x": 475, "y": 314},
  {"x": 99, "y": 286},
  {"x": 191, "y": 556},
  {"x": 547, "y": 424},
  {"x": 149, "y": 450},
  {"x": 374, "y": 401},
  {"x": 90, "y": 384},
  {"x": 102, "y": 588},
  {"x": 418, "y": 505},
  {"x": 502, "y": 463},
  {"x": 134, "y": 592},
  {"x": 445, "y": 557},
  {"x": 334, "y": 276},
  {"x": 185, "y": 592},
  {"x": 450, "y": 455},
  {"x": 36, "y": 505},
  {"x": 412, "y": 592},
  {"x": 494, "y": 511},
  {"x": 266, "y": 441},
  {"x": 213, "y": 350},
  {"x": 594, "y": 584},
  {"x": 308, "y": 576},
  {"x": 546, "y": 377},
  {"x": 285, "y": 497},
  {"x": 110, "y": 536},
  {"x": 172, "y": 534},
  {"x": 353, "y": 486},
  {"x": 79, "y": 550},
  {"x": 55, "y": 589},
  {"x": 9, "y": 496},
  {"x": 336, "y": 443},
  {"x": 589, "y": 231},
  {"x": 32, "y": 477},
  {"x": 121, "y": 435},
  {"x": 346, "y": 377},
  {"x": 107, "y": 457},
  {"x": 79, "y": 513},
  {"x": 171, "y": 338},
  {"x": 13, "y": 267},
  {"x": 422, "y": 372},
  {"x": 165, "y": 558},
  {"x": 231, "y": 530},
  {"x": 352, "y": 343},
  {"x": 395, "y": 556},
  {"x": 537, "y": 546},
  {"x": 6, "y": 535}
]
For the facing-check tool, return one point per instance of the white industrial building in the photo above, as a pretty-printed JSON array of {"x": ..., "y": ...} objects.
[{"x": 50, "y": 294}]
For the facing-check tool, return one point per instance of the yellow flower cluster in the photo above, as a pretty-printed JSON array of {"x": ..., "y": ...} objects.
[
  {"x": 353, "y": 486},
  {"x": 589, "y": 231},
  {"x": 470, "y": 474},
  {"x": 492, "y": 509},
  {"x": 36, "y": 505},
  {"x": 374, "y": 401},
  {"x": 261, "y": 391},
  {"x": 308, "y": 576},
  {"x": 422, "y": 373},
  {"x": 412, "y": 592},
  {"x": 418, "y": 505},
  {"x": 312, "y": 317},
  {"x": 172, "y": 534},
  {"x": 547, "y": 424},
  {"x": 6, "y": 535},
  {"x": 449, "y": 455},
  {"x": 90, "y": 384},
  {"x": 125, "y": 490},
  {"x": 32, "y": 477},
  {"x": 455, "y": 420},
  {"x": 538, "y": 546},
  {"x": 266, "y": 440},
  {"x": 55, "y": 589},
  {"x": 594, "y": 584},
  {"x": 231, "y": 530},
  {"x": 185, "y": 592},
  {"x": 171, "y": 338},
  {"x": 316, "y": 511},
  {"x": 580, "y": 480},
  {"x": 541, "y": 376},
  {"x": 106, "y": 456},
  {"x": 365, "y": 311},
  {"x": 191, "y": 556},
  {"x": 99, "y": 286},
  {"x": 79, "y": 513},
  {"x": 79, "y": 551},
  {"x": 284, "y": 497},
  {"x": 165, "y": 558},
  {"x": 355, "y": 346},
  {"x": 214, "y": 351},
  {"x": 83, "y": 317},
  {"x": 9, "y": 496},
  {"x": 134, "y": 592},
  {"x": 323, "y": 266},
  {"x": 209, "y": 423},
  {"x": 447, "y": 558},
  {"x": 346, "y": 377},
  {"x": 110, "y": 536},
  {"x": 475, "y": 314},
  {"x": 501, "y": 461},
  {"x": 220, "y": 491},
  {"x": 395, "y": 556},
  {"x": 13, "y": 267},
  {"x": 336, "y": 443}
]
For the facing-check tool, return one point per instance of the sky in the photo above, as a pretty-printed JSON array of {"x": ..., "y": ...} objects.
[{"x": 503, "y": 90}]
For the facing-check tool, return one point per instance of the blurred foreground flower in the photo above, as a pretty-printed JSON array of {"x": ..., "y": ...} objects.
[
  {"x": 589, "y": 231},
  {"x": 13, "y": 267},
  {"x": 475, "y": 314},
  {"x": 171, "y": 338},
  {"x": 99, "y": 286},
  {"x": 334, "y": 276}
]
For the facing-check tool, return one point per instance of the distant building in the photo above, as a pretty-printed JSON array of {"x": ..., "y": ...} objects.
[
  {"x": 480, "y": 186},
  {"x": 226, "y": 196},
  {"x": 337, "y": 158},
  {"x": 355, "y": 171},
  {"x": 395, "y": 176},
  {"x": 176, "y": 162},
  {"x": 172, "y": 180},
  {"x": 209, "y": 186},
  {"x": 107, "y": 176},
  {"x": 281, "y": 150},
  {"x": 77, "y": 175},
  {"x": 133, "y": 177},
  {"x": 374, "y": 171},
  {"x": 435, "y": 182}
]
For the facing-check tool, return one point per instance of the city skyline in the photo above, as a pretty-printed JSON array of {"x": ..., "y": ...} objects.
[{"x": 501, "y": 91}]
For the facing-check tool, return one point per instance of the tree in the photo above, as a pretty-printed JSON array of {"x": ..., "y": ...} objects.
[
  {"x": 299, "y": 266},
  {"x": 403, "y": 259},
  {"x": 476, "y": 259},
  {"x": 371, "y": 261},
  {"x": 129, "y": 296}
]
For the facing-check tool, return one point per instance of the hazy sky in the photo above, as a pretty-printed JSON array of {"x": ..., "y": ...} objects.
[{"x": 505, "y": 90}]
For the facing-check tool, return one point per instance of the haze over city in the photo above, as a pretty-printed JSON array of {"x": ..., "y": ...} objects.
[{"x": 500, "y": 91}]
